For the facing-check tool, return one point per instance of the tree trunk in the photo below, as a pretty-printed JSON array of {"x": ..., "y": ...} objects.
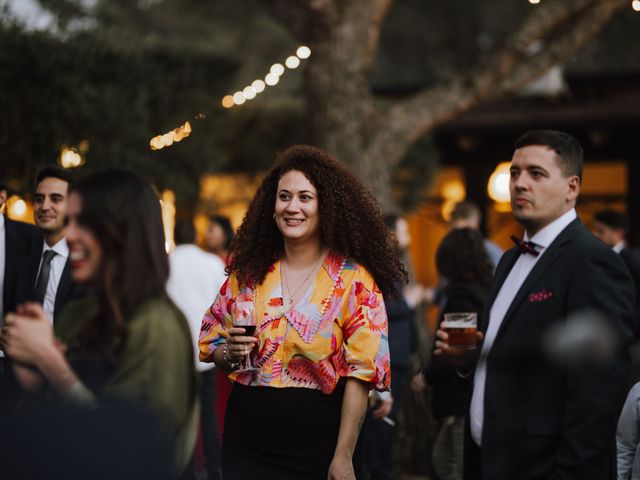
[{"x": 343, "y": 37}]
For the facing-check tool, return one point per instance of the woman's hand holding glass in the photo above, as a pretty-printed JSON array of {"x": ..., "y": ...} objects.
[
  {"x": 241, "y": 337},
  {"x": 240, "y": 345}
]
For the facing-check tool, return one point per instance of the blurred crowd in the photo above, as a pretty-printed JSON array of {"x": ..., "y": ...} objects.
[{"x": 290, "y": 348}]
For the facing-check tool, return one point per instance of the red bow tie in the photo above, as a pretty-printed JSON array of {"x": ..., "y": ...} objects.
[{"x": 526, "y": 247}]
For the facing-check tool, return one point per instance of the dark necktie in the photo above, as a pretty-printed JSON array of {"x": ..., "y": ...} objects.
[
  {"x": 43, "y": 278},
  {"x": 525, "y": 247}
]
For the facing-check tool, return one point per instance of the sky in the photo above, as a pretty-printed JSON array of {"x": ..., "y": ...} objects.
[
  {"x": 30, "y": 13},
  {"x": 33, "y": 16}
]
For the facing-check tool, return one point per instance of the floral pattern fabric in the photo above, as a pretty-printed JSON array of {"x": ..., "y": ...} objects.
[{"x": 337, "y": 330}]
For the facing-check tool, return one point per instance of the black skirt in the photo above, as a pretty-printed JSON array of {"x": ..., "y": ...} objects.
[{"x": 280, "y": 433}]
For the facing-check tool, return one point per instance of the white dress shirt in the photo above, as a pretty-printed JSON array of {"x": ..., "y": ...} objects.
[
  {"x": 57, "y": 266},
  {"x": 195, "y": 278},
  {"x": 518, "y": 274},
  {"x": 618, "y": 247}
]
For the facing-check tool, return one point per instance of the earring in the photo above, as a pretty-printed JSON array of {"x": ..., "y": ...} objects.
[{"x": 274, "y": 216}]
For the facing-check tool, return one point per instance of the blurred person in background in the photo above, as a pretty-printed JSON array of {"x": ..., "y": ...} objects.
[
  {"x": 127, "y": 341},
  {"x": 612, "y": 227},
  {"x": 196, "y": 276},
  {"x": 218, "y": 239},
  {"x": 378, "y": 430},
  {"x": 309, "y": 267},
  {"x": 628, "y": 437},
  {"x": 219, "y": 236},
  {"x": 467, "y": 215},
  {"x": 464, "y": 215},
  {"x": 462, "y": 259}
]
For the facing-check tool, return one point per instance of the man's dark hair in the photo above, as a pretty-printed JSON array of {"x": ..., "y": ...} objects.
[
  {"x": 613, "y": 219},
  {"x": 184, "y": 232},
  {"x": 570, "y": 156},
  {"x": 53, "y": 171},
  {"x": 225, "y": 224},
  {"x": 3, "y": 183}
]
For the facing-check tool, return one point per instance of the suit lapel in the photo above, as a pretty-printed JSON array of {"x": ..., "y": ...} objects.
[
  {"x": 34, "y": 266},
  {"x": 503, "y": 269},
  {"x": 548, "y": 258}
]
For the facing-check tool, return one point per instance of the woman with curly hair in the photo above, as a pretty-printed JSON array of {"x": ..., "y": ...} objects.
[
  {"x": 310, "y": 264},
  {"x": 462, "y": 259}
]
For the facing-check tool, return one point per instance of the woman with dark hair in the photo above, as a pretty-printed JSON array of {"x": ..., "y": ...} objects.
[
  {"x": 309, "y": 265},
  {"x": 462, "y": 259},
  {"x": 127, "y": 341},
  {"x": 219, "y": 236}
]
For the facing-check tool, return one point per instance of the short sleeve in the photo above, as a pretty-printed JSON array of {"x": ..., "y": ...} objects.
[
  {"x": 365, "y": 328},
  {"x": 216, "y": 322}
]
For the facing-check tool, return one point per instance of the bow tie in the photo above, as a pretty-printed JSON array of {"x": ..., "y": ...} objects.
[{"x": 525, "y": 247}]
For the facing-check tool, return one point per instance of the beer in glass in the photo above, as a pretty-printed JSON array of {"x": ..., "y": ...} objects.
[{"x": 461, "y": 328}]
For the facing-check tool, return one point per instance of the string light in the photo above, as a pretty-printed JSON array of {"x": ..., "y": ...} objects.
[
  {"x": 238, "y": 98},
  {"x": 167, "y": 139},
  {"x": 276, "y": 69},
  {"x": 17, "y": 207},
  {"x": 271, "y": 79},
  {"x": 227, "y": 101},
  {"x": 258, "y": 86},
  {"x": 292, "y": 62},
  {"x": 498, "y": 185},
  {"x": 73, "y": 157},
  {"x": 636, "y": 5},
  {"x": 534, "y": 2},
  {"x": 303, "y": 52},
  {"x": 249, "y": 93}
]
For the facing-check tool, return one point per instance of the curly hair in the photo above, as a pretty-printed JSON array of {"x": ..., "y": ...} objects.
[
  {"x": 461, "y": 257},
  {"x": 351, "y": 223}
]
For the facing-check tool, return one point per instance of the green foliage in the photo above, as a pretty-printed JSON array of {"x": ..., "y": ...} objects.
[{"x": 55, "y": 93}]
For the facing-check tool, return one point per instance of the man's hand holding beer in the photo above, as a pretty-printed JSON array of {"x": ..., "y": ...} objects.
[{"x": 463, "y": 357}]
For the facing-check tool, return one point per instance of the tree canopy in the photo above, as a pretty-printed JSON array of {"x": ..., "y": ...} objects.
[{"x": 382, "y": 75}]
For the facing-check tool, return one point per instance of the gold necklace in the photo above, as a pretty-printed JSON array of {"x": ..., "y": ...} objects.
[{"x": 304, "y": 282}]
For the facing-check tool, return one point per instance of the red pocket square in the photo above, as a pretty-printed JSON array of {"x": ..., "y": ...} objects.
[{"x": 540, "y": 296}]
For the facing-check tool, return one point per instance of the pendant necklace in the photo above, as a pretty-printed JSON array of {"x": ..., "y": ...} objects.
[{"x": 302, "y": 284}]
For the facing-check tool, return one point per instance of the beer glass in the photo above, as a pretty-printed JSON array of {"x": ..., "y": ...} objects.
[{"x": 461, "y": 328}]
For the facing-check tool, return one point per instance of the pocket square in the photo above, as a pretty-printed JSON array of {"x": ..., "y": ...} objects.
[{"x": 540, "y": 296}]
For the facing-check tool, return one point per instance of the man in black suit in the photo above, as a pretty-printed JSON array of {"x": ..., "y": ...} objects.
[
  {"x": 45, "y": 276},
  {"x": 611, "y": 227},
  {"x": 19, "y": 240},
  {"x": 531, "y": 416}
]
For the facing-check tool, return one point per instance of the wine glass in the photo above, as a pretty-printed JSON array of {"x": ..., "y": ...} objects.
[{"x": 244, "y": 317}]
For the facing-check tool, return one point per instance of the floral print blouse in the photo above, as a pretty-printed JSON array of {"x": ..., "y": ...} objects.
[{"x": 338, "y": 329}]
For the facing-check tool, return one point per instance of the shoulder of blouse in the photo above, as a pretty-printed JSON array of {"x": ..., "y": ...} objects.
[{"x": 360, "y": 274}]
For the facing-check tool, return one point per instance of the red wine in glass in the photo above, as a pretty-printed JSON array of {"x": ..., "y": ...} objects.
[
  {"x": 244, "y": 317},
  {"x": 249, "y": 330}
]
